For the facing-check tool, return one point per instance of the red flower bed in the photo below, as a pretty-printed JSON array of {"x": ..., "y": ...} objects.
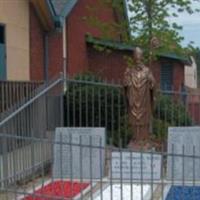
[{"x": 58, "y": 189}]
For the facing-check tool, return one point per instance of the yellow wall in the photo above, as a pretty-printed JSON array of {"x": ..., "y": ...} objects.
[{"x": 15, "y": 15}]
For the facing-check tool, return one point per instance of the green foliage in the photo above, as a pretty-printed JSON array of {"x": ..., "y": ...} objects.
[
  {"x": 169, "y": 112},
  {"x": 172, "y": 111},
  {"x": 109, "y": 29},
  {"x": 129, "y": 61},
  {"x": 148, "y": 19},
  {"x": 89, "y": 102},
  {"x": 160, "y": 129}
]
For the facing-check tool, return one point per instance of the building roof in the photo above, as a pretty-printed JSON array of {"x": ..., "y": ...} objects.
[
  {"x": 126, "y": 47},
  {"x": 110, "y": 44},
  {"x": 59, "y": 5},
  {"x": 184, "y": 59},
  {"x": 44, "y": 13},
  {"x": 62, "y": 8}
]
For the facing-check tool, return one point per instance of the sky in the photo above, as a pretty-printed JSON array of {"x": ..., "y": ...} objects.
[{"x": 191, "y": 26}]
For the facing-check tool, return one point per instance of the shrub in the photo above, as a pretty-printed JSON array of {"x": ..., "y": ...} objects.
[
  {"x": 169, "y": 112},
  {"x": 90, "y": 102},
  {"x": 160, "y": 129}
]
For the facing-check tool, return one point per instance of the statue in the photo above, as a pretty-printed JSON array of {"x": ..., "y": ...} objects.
[{"x": 139, "y": 86}]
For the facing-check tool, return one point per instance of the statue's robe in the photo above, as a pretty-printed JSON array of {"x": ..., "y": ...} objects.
[{"x": 139, "y": 86}]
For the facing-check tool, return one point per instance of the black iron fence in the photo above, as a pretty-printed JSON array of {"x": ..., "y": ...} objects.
[
  {"x": 38, "y": 117},
  {"x": 93, "y": 103},
  {"x": 90, "y": 157}
]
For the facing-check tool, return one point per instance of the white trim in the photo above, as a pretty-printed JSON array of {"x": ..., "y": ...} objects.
[
  {"x": 165, "y": 192},
  {"x": 146, "y": 196}
]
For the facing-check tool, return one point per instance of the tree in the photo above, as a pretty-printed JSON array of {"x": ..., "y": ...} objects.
[{"x": 149, "y": 19}]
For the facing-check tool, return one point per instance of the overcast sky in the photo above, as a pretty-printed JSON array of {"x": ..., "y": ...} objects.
[{"x": 191, "y": 26}]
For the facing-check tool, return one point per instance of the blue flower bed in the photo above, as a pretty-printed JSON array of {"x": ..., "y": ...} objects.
[{"x": 184, "y": 193}]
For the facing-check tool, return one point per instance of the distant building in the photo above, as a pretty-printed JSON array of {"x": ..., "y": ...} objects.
[{"x": 191, "y": 79}]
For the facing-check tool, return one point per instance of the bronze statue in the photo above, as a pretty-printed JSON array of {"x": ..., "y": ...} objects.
[{"x": 139, "y": 86}]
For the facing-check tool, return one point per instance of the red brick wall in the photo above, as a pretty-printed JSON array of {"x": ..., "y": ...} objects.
[
  {"x": 55, "y": 54},
  {"x": 178, "y": 76},
  {"x": 77, "y": 29},
  {"x": 193, "y": 105},
  {"x": 80, "y": 56},
  {"x": 110, "y": 66},
  {"x": 36, "y": 47},
  {"x": 55, "y": 50},
  {"x": 194, "y": 112}
]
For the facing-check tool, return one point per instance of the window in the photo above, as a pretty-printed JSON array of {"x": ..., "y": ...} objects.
[
  {"x": 2, "y": 53},
  {"x": 166, "y": 76},
  {"x": 2, "y": 34}
]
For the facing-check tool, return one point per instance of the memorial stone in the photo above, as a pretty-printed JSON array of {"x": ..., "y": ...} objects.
[
  {"x": 183, "y": 150},
  {"x": 79, "y": 153},
  {"x": 136, "y": 166}
]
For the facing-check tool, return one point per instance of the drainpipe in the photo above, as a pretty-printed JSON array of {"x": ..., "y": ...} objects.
[
  {"x": 46, "y": 57},
  {"x": 64, "y": 56}
]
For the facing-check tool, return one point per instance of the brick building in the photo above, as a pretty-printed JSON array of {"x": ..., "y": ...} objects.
[
  {"x": 27, "y": 33},
  {"x": 81, "y": 54},
  {"x": 52, "y": 37},
  {"x": 168, "y": 69}
]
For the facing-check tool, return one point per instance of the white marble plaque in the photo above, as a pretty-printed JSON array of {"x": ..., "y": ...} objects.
[
  {"x": 183, "y": 145},
  {"x": 135, "y": 166},
  {"x": 79, "y": 153}
]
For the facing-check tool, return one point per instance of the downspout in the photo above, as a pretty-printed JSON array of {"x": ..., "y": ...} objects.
[{"x": 64, "y": 56}]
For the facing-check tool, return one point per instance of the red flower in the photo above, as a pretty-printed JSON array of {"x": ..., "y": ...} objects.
[{"x": 58, "y": 189}]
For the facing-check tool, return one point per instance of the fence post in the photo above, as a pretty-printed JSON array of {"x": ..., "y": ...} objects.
[{"x": 4, "y": 162}]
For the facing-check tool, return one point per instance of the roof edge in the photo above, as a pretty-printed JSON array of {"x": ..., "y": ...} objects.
[
  {"x": 109, "y": 43},
  {"x": 44, "y": 14},
  {"x": 126, "y": 47},
  {"x": 67, "y": 10}
]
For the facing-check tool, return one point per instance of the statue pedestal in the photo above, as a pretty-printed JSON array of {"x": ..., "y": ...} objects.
[{"x": 145, "y": 145}]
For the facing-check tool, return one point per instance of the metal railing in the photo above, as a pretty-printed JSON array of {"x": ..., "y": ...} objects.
[
  {"x": 38, "y": 118},
  {"x": 41, "y": 183},
  {"x": 14, "y": 93},
  {"x": 92, "y": 103},
  {"x": 31, "y": 156}
]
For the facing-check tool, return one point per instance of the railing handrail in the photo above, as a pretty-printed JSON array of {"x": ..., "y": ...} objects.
[
  {"x": 21, "y": 81},
  {"x": 33, "y": 99},
  {"x": 99, "y": 83},
  {"x": 15, "y": 93},
  {"x": 117, "y": 85}
]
